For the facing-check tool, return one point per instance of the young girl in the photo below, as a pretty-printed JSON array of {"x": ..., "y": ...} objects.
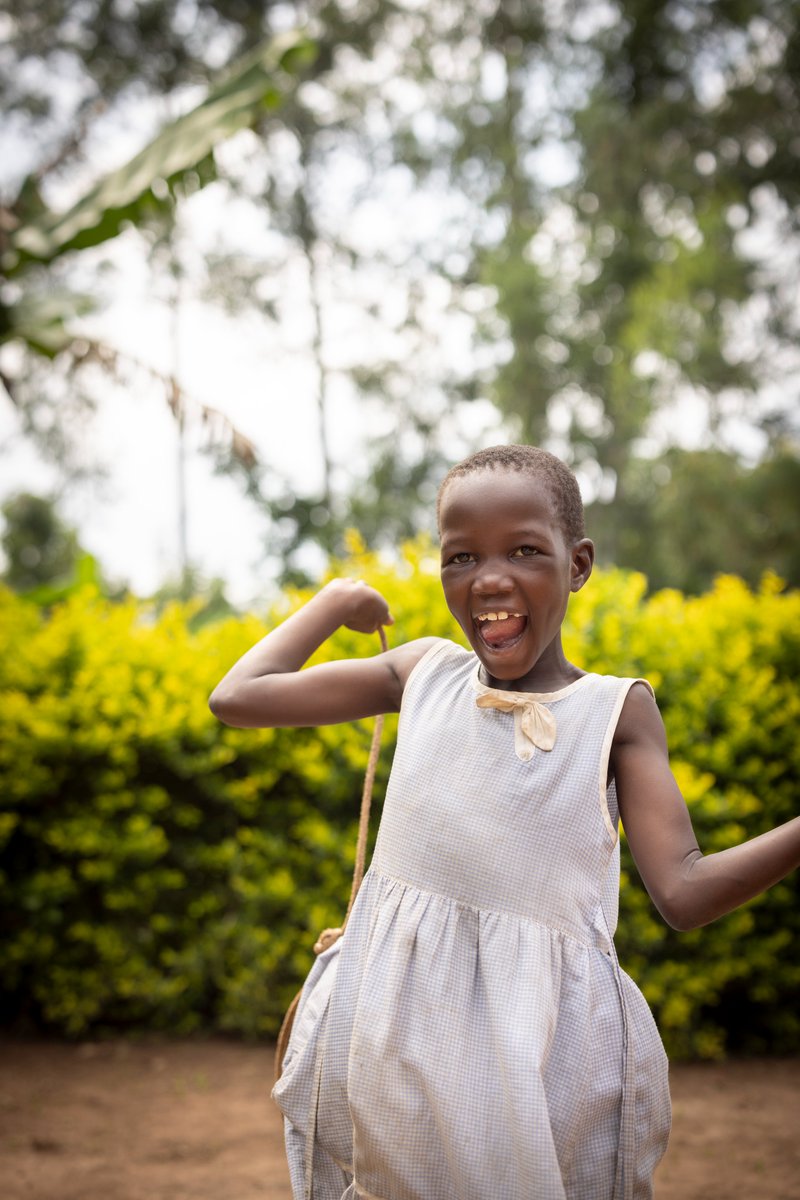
[{"x": 472, "y": 1037}]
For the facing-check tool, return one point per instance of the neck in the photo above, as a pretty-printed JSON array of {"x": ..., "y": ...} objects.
[{"x": 549, "y": 673}]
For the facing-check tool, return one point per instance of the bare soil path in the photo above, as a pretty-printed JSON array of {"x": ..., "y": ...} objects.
[{"x": 171, "y": 1120}]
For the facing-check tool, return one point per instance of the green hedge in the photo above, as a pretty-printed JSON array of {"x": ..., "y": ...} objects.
[{"x": 160, "y": 870}]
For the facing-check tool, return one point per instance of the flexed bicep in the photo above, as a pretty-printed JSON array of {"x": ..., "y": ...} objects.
[{"x": 269, "y": 687}]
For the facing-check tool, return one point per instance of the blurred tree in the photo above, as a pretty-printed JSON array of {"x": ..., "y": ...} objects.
[
  {"x": 322, "y": 159},
  {"x": 703, "y": 513},
  {"x": 602, "y": 223},
  {"x": 638, "y": 168},
  {"x": 207, "y": 599},
  {"x": 688, "y": 143},
  {"x": 97, "y": 50},
  {"x": 37, "y": 243},
  {"x": 34, "y": 240},
  {"x": 44, "y": 560},
  {"x": 39, "y": 547},
  {"x": 363, "y": 279}
]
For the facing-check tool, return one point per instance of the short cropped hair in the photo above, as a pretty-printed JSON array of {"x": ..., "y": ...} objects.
[{"x": 540, "y": 464}]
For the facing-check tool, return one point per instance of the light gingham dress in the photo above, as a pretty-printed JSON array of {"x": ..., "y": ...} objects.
[{"x": 472, "y": 1036}]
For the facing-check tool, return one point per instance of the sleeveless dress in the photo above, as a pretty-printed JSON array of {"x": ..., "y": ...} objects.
[{"x": 472, "y": 1036}]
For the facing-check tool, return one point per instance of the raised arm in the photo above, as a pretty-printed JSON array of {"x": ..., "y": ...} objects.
[
  {"x": 266, "y": 687},
  {"x": 688, "y": 887}
]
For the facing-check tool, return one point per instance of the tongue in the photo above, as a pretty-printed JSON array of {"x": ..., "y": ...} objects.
[{"x": 498, "y": 632}]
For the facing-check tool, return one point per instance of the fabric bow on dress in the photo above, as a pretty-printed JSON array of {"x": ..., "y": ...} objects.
[{"x": 534, "y": 724}]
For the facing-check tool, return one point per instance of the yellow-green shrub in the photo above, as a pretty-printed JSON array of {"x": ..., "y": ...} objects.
[
  {"x": 725, "y": 667},
  {"x": 159, "y": 869}
]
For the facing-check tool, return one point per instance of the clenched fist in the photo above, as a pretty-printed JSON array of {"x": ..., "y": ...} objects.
[{"x": 362, "y": 607}]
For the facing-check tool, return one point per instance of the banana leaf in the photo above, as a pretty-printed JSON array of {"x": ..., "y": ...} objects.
[{"x": 257, "y": 83}]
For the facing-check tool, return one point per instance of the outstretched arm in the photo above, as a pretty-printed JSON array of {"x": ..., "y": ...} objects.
[
  {"x": 266, "y": 687},
  {"x": 688, "y": 887}
]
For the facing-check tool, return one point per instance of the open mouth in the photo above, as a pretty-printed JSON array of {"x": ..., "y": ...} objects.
[{"x": 501, "y": 628}]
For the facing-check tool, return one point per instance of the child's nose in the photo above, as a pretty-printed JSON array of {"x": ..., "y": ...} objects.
[{"x": 492, "y": 578}]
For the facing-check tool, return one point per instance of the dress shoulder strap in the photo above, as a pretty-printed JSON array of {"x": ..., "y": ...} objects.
[{"x": 441, "y": 649}]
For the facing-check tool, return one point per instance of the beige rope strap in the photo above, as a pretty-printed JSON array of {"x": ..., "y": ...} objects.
[
  {"x": 366, "y": 800},
  {"x": 329, "y": 936}
]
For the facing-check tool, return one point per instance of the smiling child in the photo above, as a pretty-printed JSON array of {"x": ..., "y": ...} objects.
[{"x": 472, "y": 1036}]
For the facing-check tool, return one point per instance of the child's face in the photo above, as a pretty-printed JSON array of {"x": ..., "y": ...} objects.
[{"x": 507, "y": 574}]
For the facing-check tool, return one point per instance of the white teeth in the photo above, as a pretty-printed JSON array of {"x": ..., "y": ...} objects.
[{"x": 497, "y": 616}]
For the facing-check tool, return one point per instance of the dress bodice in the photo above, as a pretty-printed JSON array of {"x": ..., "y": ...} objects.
[{"x": 466, "y": 817}]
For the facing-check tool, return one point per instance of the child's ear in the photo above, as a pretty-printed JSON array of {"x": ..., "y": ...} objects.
[{"x": 582, "y": 563}]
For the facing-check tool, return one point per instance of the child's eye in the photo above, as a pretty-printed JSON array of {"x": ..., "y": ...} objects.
[
  {"x": 463, "y": 556},
  {"x": 524, "y": 552}
]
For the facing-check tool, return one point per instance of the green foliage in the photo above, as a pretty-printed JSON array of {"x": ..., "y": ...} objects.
[
  {"x": 725, "y": 667},
  {"x": 254, "y": 85},
  {"x": 38, "y": 546},
  {"x": 38, "y": 312},
  {"x": 161, "y": 870},
  {"x": 692, "y": 515},
  {"x": 637, "y": 265},
  {"x": 633, "y": 281}
]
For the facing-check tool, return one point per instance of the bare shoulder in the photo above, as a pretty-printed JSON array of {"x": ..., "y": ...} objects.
[{"x": 640, "y": 721}]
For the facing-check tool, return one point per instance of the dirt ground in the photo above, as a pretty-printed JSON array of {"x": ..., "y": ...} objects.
[{"x": 164, "y": 1120}]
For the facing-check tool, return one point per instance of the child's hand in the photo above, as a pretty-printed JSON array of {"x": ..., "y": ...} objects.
[{"x": 363, "y": 608}]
